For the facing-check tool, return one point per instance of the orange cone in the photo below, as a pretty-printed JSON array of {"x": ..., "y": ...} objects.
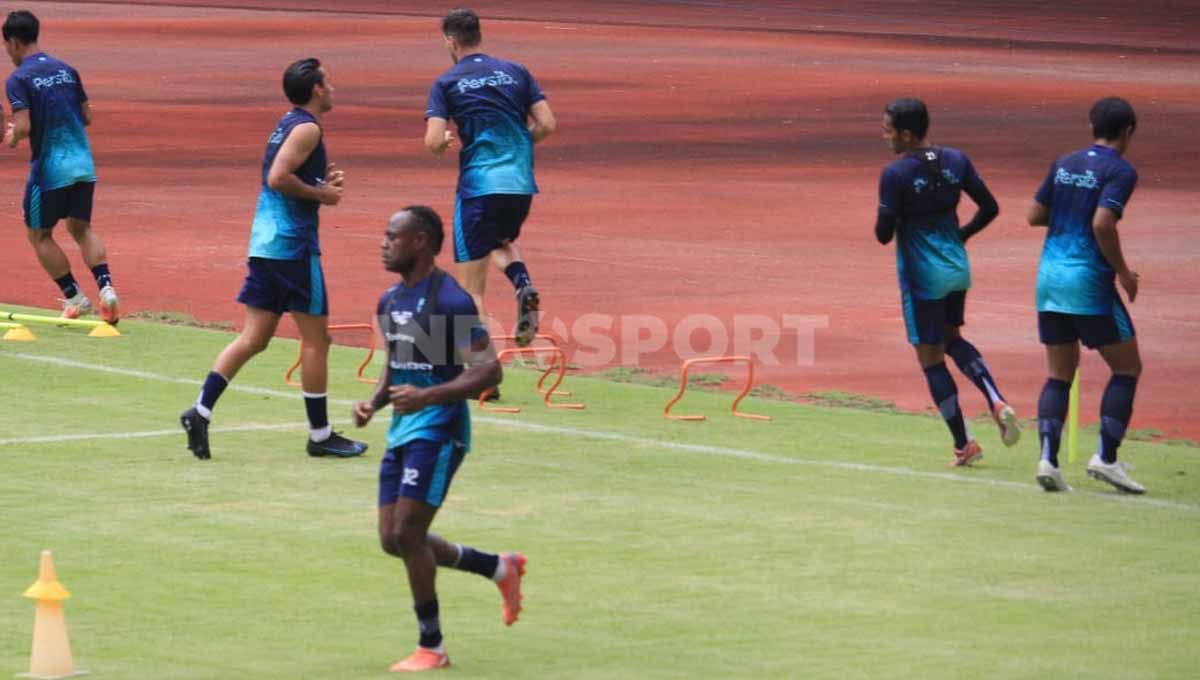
[{"x": 51, "y": 656}]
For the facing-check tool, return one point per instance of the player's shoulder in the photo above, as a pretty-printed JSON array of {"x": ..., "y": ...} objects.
[
  {"x": 453, "y": 298},
  {"x": 388, "y": 295},
  {"x": 901, "y": 166}
]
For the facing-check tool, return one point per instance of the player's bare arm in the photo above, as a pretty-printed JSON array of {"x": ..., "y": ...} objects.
[
  {"x": 437, "y": 135},
  {"x": 1104, "y": 227},
  {"x": 86, "y": 110},
  {"x": 543, "y": 122},
  {"x": 17, "y": 128},
  {"x": 1039, "y": 215},
  {"x": 483, "y": 371},
  {"x": 282, "y": 177}
]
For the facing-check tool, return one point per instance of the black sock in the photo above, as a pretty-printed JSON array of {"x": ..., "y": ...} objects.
[
  {"x": 214, "y": 385},
  {"x": 316, "y": 406},
  {"x": 1052, "y": 412},
  {"x": 428, "y": 624},
  {"x": 1116, "y": 408},
  {"x": 67, "y": 285},
  {"x": 945, "y": 397},
  {"x": 518, "y": 274},
  {"x": 476, "y": 562},
  {"x": 970, "y": 362},
  {"x": 103, "y": 278}
]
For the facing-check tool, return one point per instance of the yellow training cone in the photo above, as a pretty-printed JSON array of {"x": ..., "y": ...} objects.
[
  {"x": 105, "y": 330},
  {"x": 51, "y": 656},
  {"x": 18, "y": 334}
]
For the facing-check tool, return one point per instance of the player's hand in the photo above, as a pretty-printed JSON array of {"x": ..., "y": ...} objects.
[
  {"x": 363, "y": 411},
  {"x": 447, "y": 140},
  {"x": 334, "y": 176},
  {"x": 329, "y": 194},
  {"x": 407, "y": 399},
  {"x": 10, "y": 135},
  {"x": 1129, "y": 281}
]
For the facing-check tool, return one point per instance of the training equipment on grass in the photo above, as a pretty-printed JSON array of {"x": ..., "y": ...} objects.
[
  {"x": 558, "y": 361},
  {"x": 1073, "y": 419},
  {"x": 15, "y": 332},
  {"x": 683, "y": 383},
  {"x": 100, "y": 329},
  {"x": 553, "y": 343},
  {"x": 287, "y": 376},
  {"x": 51, "y": 655}
]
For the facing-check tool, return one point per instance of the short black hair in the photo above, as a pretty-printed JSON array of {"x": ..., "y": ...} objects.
[
  {"x": 22, "y": 26},
  {"x": 462, "y": 24},
  {"x": 1110, "y": 116},
  {"x": 427, "y": 220},
  {"x": 299, "y": 79},
  {"x": 909, "y": 113}
]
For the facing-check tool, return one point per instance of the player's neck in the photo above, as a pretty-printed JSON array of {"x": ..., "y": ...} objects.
[
  {"x": 27, "y": 51},
  {"x": 314, "y": 108},
  {"x": 1114, "y": 144},
  {"x": 418, "y": 273}
]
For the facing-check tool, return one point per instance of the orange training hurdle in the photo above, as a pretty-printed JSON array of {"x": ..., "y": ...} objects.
[
  {"x": 559, "y": 361},
  {"x": 287, "y": 377},
  {"x": 549, "y": 369},
  {"x": 683, "y": 383}
]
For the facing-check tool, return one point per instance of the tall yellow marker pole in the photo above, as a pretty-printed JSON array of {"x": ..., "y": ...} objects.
[
  {"x": 51, "y": 656},
  {"x": 1073, "y": 420}
]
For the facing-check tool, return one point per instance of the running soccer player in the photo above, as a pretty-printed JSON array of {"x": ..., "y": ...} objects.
[
  {"x": 431, "y": 328},
  {"x": 285, "y": 263},
  {"x": 918, "y": 204},
  {"x": 1081, "y": 200},
  {"x": 501, "y": 113},
  {"x": 51, "y": 109}
]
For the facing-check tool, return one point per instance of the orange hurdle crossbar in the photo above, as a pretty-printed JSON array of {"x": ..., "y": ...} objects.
[
  {"x": 559, "y": 361},
  {"x": 287, "y": 377},
  {"x": 549, "y": 369},
  {"x": 683, "y": 383}
]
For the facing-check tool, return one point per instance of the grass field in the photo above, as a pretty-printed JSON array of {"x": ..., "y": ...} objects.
[{"x": 831, "y": 543}]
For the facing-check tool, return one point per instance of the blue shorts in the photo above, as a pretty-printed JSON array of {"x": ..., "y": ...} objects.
[
  {"x": 421, "y": 469},
  {"x": 280, "y": 286},
  {"x": 1056, "y": 328},
  {"x": 484, "y": 223},
  {"x": 43, "y": 209},
  {"x": 926, "y": 320}
]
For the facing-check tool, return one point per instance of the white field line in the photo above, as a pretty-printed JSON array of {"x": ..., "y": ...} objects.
[
  {"x": 174, "y": 432},
  {"x": 744, "y": 454}
]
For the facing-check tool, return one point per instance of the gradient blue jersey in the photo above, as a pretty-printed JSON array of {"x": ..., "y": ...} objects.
[
  {"x": 1073, "y": 276},
  {"x": 285, "y": 227},
  {"x": 53, "y": 94},
  {"x": 931, "y": 261},
  {"x": 489, "y": 99},
  {"x": 425, "y": 344}
]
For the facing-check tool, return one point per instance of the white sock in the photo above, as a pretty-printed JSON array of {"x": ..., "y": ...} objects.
[
  {"x": 204, "y": 411},
  {"x": 321, "y": 434},
  {"x": 501, "y": 570}
]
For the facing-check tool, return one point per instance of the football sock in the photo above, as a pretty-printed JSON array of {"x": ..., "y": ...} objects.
[
  {"x": 477, "y": 562},
  {"x": 945, "y": 397},
  {"x": 316, "y": 406},
  {"x": 1052, "y": 411},
  {"x": 1116, "y": 408},
  {"x": 971, "y": 364},
  {"x": 518, "y": 275},
  {"x": 103, "y": 278},
  {"x": 427, "y": 622},
  {"x": 67, "y": 285},
  {"x": 214, "y": 385}
]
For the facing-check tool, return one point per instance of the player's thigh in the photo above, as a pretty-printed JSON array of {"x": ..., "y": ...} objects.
[
  {"x": 259, "y": 326},
  {"x": 1123, "y": 358},
  {"x": 314, "y": 330},
  {"x": 1061, "y": 360},
  {"x": 473, "y": 275}
]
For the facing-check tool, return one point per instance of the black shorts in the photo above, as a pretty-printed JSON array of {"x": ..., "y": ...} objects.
[
  {"x": 926, "y": 320},
  {"x": 43, "y": 209},
  {"x": 280, "y": 286},
  {"x": 484, "y": 223},
  {"x": 1101, "y": 330}
]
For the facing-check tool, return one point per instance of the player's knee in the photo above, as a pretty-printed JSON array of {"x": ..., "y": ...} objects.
[
  {"x": 387, "y": 541},
  {"x": 254, "y": 344},
  {"x": 407, "y": 538}
]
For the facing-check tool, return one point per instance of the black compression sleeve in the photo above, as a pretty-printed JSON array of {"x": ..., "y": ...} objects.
[{"x": 885, "y": 228}]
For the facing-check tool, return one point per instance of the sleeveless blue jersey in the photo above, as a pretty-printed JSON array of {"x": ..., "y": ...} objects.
[{"x": 285, "y": 227}]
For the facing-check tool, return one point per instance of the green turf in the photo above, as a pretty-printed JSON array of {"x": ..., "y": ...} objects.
[{"x": 831, "y": 543}]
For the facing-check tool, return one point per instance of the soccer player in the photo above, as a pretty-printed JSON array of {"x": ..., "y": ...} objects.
[
  {"x": 431, "y": 328},
  {"x": 285, "y": 263},
  {"x": 1081, "y": 200},
  {"x": 501, "y": 113},
  {"x": 51, "y": 109},
  {"x": 918, "y": 203}
]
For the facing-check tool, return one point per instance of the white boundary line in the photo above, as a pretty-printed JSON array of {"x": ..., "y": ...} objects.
[
  {"x": 744, "y": 454},
  {"x": 176, "y": 432}
]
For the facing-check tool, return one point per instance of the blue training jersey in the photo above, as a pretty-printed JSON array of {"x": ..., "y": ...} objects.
[
  {"x": 53, "y": 93},
  {"x": 425, "y": 341},
  {"x": 285, "y": 227},
  {"x": 922, "y": 190},
  {"x": 1073, "y": 276},
  {"x": 489, "y": 100}
]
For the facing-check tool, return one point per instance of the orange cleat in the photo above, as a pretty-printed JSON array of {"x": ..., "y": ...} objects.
[
  {"x": 76, "y": 307},
  {"x": 424, "y": 659},
  {"x": 109, "y": 310},
  {"x": 967, "y": 454},
  {"x": 1006, "y": 420},
  {"x": 510, "y": 586}
]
